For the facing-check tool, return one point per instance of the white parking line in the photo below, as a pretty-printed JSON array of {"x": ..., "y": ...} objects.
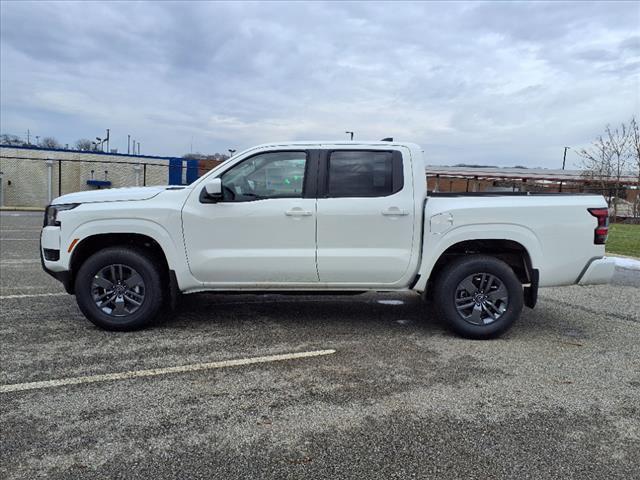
[
  {"x": 32, "y": 295},
  {"x": 19, "y": 261},
  {"x": 391, "y": 302},
  {"x": 20, "y": 387}
]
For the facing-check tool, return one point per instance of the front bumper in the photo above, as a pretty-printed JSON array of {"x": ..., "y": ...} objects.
[
  {"x": 50, "y": 240},
  {"x": 598, "y": 271}
]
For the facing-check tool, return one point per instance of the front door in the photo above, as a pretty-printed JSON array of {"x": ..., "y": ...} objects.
[{"x": 263, "y": 231}]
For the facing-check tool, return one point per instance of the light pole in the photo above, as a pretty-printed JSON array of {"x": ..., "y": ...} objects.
[
  {"x": 349, "y": 133},
  {"x": 564, "y": 161},
  {"x": 564, "y": 158},
  {"x": 231, "y": 152}
]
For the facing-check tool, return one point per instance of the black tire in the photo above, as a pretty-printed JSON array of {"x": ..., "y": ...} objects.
[
  {"x": 449, "y": 287},
  {"x": 148, "y": 290}
]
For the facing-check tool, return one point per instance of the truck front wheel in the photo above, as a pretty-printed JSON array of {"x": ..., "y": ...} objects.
[
  {"x": 119, "y": 288},
  {"x": 479, "y": 296}
]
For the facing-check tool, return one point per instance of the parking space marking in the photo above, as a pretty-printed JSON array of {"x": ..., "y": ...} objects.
[
  {"x": 20, "y": 387},
  {"x": 391, "y": 302},
  {"x": 19, "y": 261},
  {"x": 32, "y": 295}
]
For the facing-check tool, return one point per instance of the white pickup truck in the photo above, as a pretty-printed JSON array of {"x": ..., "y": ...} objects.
[{"x": 322, "y": 217}]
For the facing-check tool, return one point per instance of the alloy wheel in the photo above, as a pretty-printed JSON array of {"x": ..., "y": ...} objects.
[
  {"x": 481, "y": 298},
  {"x": 118, "y": 290}
]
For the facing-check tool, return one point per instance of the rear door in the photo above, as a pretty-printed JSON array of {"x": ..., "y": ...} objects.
[{"x": 365, "y": 216}]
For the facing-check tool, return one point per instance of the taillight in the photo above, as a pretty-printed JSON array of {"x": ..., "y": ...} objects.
[{"x": 602, "y": 230}]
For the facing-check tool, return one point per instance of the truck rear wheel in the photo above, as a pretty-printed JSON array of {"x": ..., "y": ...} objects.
[
  {"x": 479, "y": 296},
  {"x": 119, "y": 288}
]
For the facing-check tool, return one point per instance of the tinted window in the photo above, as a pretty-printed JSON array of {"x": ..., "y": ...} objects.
[
  {"x": 361, "y": 174},
  {"x": 269, "y": 175}
]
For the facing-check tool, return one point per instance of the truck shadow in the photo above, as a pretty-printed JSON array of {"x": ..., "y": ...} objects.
[
  {"x": 370, "y": 309},
  {"x": 370, "y": 312}
]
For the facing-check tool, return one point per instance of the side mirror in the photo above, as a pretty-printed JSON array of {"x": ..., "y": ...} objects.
[{"x": 214, "y": 189}]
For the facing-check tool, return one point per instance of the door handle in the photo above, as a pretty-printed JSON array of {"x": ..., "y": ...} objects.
[
  {"x": 298, "y": 212},
  {"x": 394, "y": 212}
]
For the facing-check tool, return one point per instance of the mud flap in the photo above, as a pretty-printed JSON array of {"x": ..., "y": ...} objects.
[
  {"x": 531, "y": 292},
  {"x": 174, "y": 291}
]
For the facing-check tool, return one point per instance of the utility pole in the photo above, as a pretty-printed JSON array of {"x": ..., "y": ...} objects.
[
  {"x": 128, "y": 144},
  {"x": 28, "y": 137},
  {"x": 138, "y": 148},
  {"x": 349, "y": 133},
  {"x": 107, "y": 140},
  {"x": 564, "y": 158},
  {"x": 133, "y": 146}
]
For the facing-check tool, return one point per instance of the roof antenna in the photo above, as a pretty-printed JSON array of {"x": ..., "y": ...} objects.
[
  {"x": 349, "y": 133},
  {"x": 387, "y": 139}
]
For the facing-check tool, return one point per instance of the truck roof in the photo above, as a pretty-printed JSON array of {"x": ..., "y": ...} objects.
[{"x": 350, "y": 143}]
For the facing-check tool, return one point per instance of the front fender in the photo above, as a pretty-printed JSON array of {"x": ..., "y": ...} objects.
[
  {"x": 128, "y": 226},
  {"x": 435, "y": 244}
]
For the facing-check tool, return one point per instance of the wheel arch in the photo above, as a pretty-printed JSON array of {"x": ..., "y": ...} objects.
[
  {"x": 511, "y": 252},
  {"x": 94, "y": 243},
  {"x": 518, "y": 246}
]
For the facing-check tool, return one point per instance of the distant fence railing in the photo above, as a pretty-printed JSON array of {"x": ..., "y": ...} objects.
[{"x": 623, "y": 195}]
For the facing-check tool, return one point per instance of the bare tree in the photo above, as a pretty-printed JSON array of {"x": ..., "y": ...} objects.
[
  {"x": 634, "y": 157},
  {"x": 596, "y": 163},
  {"x": 85, "y": 145},
  {"x": 13, "y": 140},
  {"x": 618, "y": 141},
  {"x": 606, "y": 162},
  {"x": 204, "y": 156},
  {"x": 50, "y": 142}
]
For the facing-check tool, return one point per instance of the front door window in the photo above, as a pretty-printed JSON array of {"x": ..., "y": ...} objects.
[{"x": 267, "y": 175}]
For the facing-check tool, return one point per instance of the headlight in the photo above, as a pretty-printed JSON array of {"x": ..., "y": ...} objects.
[{"x": 51, "y": 213}]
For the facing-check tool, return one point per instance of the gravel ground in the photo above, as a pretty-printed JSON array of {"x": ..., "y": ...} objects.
[{"x": 557, "y": 397}]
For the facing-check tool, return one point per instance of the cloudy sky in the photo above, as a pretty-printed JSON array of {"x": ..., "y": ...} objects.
[{"x": 498, "y": 83}]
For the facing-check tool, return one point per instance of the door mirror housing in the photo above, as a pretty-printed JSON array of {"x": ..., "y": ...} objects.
[{"x": 214, "y": 189}]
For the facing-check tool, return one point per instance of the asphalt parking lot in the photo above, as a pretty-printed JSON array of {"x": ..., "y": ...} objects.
[{"x": 394, "y": 395}]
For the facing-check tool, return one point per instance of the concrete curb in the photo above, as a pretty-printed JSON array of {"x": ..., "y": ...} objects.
[
  {"x": 622, "y": 256},
  {"x": 21, "y": 209}
]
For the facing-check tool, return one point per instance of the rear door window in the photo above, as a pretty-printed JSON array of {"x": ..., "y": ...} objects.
[{"x": 360, "y": 173}]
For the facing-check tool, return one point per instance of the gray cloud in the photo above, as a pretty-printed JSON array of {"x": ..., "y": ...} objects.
[{"x": 493, "y": 82}]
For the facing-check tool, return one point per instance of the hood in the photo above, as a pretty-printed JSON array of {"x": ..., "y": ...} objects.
[{"x": 111, "y": 195}]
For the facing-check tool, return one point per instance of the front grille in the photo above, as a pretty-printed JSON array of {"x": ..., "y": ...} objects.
[{"x": 51, "y": 255}]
